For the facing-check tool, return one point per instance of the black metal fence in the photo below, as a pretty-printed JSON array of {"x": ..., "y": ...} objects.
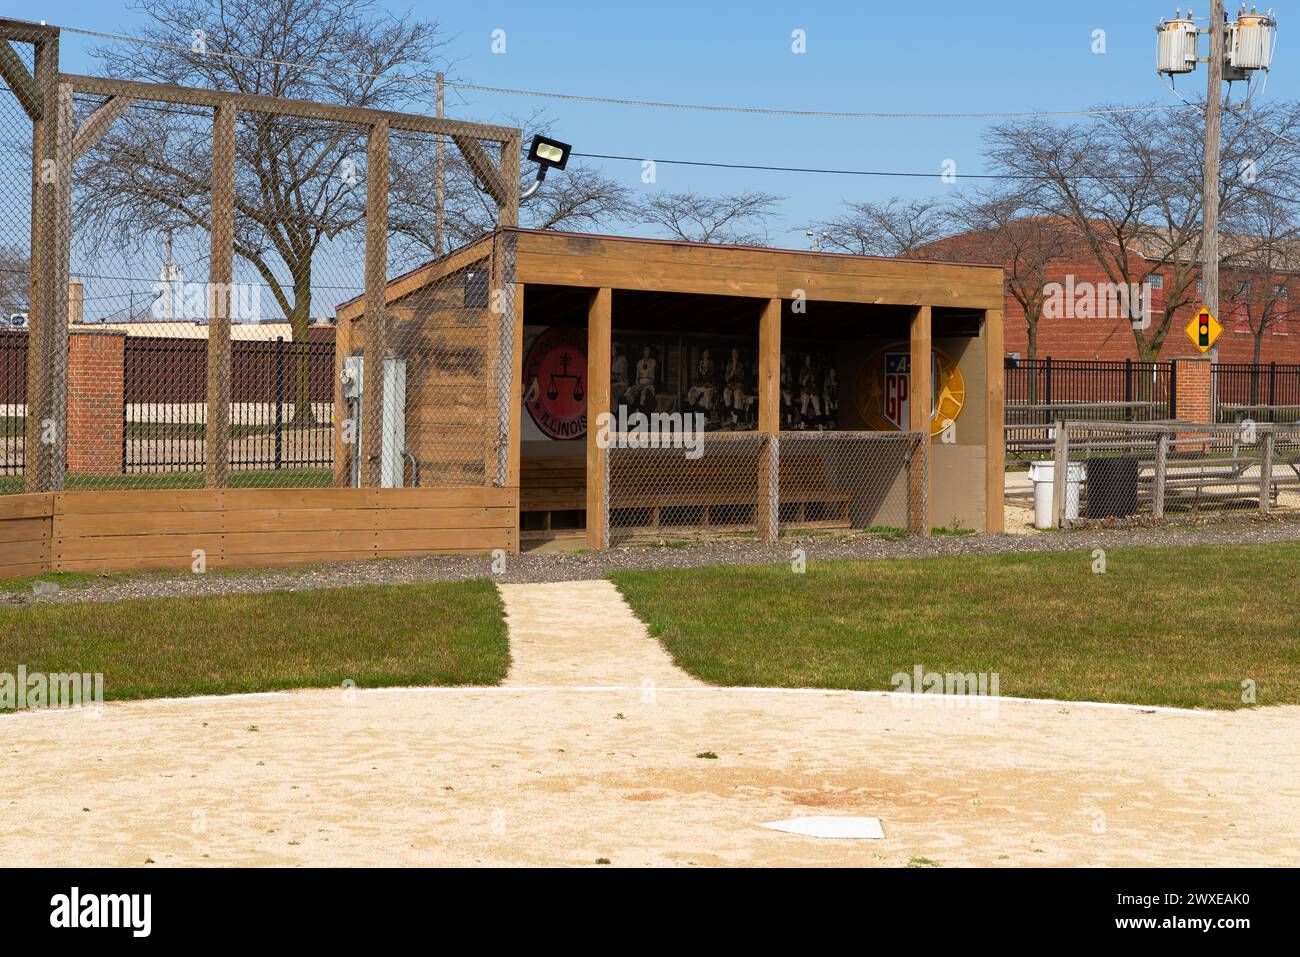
[
  {"x": 1040, "y": 391},
  {"x": 281, "y": 405},
  {"x": 1263, "y": 392},
  {"x": 13, "y": 401}
]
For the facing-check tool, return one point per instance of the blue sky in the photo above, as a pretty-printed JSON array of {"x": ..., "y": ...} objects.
[{"x": 946, "y": 56}]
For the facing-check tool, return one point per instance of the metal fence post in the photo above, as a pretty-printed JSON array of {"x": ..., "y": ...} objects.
[
  {"x": 1162, "y": 470},
  {"x": 1128, "y": 390},
  {"x": 1047, "y": 389},
  {"x": 1266, "y": 473},
  {"x": 1272, "y": 391},
  {"x": 1062, "y": 462},
  {"x": 1173, "y": 388},
  {"x": 279, "y": 401}
]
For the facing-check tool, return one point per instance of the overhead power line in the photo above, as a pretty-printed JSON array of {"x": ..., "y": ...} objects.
[{"x": 624, "y": 101}]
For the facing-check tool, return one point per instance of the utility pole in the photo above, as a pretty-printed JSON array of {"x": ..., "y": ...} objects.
[
  {"x": 1210, "y": 181},
  {"x": 439, "y": 176},
  {"x": 1251, "y": 49}
]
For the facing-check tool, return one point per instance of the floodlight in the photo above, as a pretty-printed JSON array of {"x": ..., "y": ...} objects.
[{"x": 546, "y": 153}]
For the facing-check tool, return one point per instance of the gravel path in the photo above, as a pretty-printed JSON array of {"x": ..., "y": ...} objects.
[{"x": 573, "y": 566}]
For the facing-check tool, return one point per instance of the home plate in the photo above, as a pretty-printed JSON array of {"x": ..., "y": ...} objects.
[{"x": 862, "y": 828}]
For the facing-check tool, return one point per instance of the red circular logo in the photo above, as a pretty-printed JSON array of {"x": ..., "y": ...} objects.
[{"x": 555, "y": 382}]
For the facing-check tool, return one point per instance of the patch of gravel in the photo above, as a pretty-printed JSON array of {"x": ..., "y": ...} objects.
[{"x": 572, "y": 566}]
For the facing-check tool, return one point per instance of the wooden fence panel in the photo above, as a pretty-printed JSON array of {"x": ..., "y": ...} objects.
[
  {"x": 129, "y": 531},
  {"x": 25, "y": 523}
]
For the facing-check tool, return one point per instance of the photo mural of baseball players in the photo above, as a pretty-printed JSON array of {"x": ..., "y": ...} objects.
[
  {"x": 810, "y": 388},
  {"x": 717, "y": 376}
]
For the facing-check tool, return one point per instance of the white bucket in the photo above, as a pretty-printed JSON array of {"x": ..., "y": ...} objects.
[{"x": 1043, "y": 475}]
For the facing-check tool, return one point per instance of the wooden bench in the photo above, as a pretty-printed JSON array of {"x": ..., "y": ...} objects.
[
  {"x": 669, "y": 491},
  {"x": 549, "y": 487},
  {"x": 721, "y": 493}
]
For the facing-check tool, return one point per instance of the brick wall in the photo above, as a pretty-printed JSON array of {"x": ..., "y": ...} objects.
[
  {"x": 1193, "y": 385},
  {"x": 1074, "y": 338},
  {"x": 96, "y": 369}
]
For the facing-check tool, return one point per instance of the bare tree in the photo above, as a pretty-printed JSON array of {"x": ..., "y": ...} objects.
[
  {"x": 15, "y": 271},
  {"x": 896, "y": 227},
  {"x": 296, "y": 180},
  {"x": 1129, "y": 185},
  {"x": 1260, "y": 257},
  {"x": 999, "y": 227},
  {"x": 738, "y": 219},
  {"x": 578, "y": 198}
]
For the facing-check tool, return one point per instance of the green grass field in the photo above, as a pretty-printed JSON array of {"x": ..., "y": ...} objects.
[
  {"x": 1182, "y": 627},
  {"x": 253, "y": 478},
  {"x": 431, "y": 634}
]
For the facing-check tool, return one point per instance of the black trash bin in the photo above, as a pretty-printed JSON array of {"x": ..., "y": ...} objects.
[{"x": 1112, "y": 486}]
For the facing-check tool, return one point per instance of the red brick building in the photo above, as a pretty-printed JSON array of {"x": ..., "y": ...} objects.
[{"x": 1070, "y": 336}]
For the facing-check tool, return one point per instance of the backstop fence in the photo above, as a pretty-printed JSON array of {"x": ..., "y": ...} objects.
[{"x": 173, "y": 261}]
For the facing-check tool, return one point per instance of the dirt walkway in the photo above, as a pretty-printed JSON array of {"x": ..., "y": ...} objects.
[
  {"x": 582, "y": 633},
  {"x": 484, "y": 776}
]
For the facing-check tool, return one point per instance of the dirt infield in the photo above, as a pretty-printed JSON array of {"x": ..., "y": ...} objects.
[
  {"x": 493, "y": 776},
  {"x": 600, "y": 749}
]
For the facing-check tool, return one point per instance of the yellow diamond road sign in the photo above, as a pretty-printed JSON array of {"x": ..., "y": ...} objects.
[{"x": 1203, "y": 330}]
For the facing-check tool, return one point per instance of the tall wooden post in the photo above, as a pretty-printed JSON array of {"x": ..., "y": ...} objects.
[
  {"x": 220, "y": 281},
  {"x": 60, "y": 285},
  {"x": 508, "y": 208},
  {"x": 919, "y": 412},
  {"x": 599, "y": 334},
  {"x": 769, "y": 421},
  {"x": 376, "y": 313},
  {"x": 516, "y": 401},
  {"x": 995, "y": 422},
  {"x": 47, "y": 308},
  {"x": 439, "y": 171}
]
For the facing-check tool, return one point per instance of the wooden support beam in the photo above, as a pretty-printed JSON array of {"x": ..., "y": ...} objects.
[
  {"x": 282, "y": 106},
  {"x": 22, "y": 83},
  {"x": 919, "y": 413},
  {"x": 508, "y": 205},
  {"x": 57, "y": 264},
  {"x": 994, "y": 422},
  {"x": 769, "y": 419},
  {"x": 47, "y": 339},
  {"x": 516, "y": 401},
  {"x": 94, "y": 126},
  {"x": 599, "y": 334},
  {"x": 482, "y": 166},
  {"x": 376, "y": 324},
  {"x": 220, "y": 280}
]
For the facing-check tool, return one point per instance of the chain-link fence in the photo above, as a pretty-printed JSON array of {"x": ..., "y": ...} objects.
[
  {"x": 1108, "y": 472},
  {"x": 761, "y": 484},
  {"x": 855, "y": 480},
  {"x": 172, "y": 264},
  {"x": 712, "y": 487},
  {"x": 446, "y": 384}
]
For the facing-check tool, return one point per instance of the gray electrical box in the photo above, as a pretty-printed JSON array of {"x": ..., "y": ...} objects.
[{"x": 392, "y": 457}]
